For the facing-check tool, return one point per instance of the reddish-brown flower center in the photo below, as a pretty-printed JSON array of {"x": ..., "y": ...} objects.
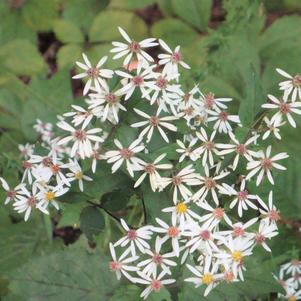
[
  {"x": 156, "y": 285},
  {"x": 11, "y": 194},
  {"x": 297, "y": 81},
  {"x": 126, "y": 153},
  {"x": 205, "y": 235},
  {"x": 209, "y": 145},
  {"x": 209, "y": 100},
  {"x": 132, "y": 234},
  {"x": 266, "y": 163},
  {"x": 115, "y": 266},
  {"x": 173, "y": 232},
  {"x": 241, "y": 149},
  {"x": 161, "y": 82},
  {"x": 93, "y": 72},
  {"x": 260, "y": 239},
  {"x": 274, "y": 215},
  {"x": 150, "y": 168},
  {"x": 80, "y": 135},
  {"x": 285, "y": 108},
  {"x": 157, "y": 259},
  {"x": 242, "y": 195},
  {"x": 176, "y": 57},
  {"x": 134, "y": 46},
  {"x": 55, "y": 169},
  {"x": 26, "y": 164},
  {"x": 223, "y": 116},
  {"x": 47, "y": 161},
  {"x": 111, "y": 98},
  {"x": 229, "y": 276},
  {"x": 186, "y": 97},
  {"x": 176, "y": 181},
  {"x": 210, "y": 183},
  {"x": 189, "y": 111},
  {"x": 31, "y": 201},
  {"x": 138, "y": 80},
  {"x": 218, "y": 213},
  {"x": 154, "y": 121},
  {"x": 238, "y": 231}
]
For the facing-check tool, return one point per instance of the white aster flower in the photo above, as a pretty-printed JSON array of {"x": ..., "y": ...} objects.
[
  {"x": 81, "y": 139},
  {"x": 26, "y": 150},
  {"x": 150, "y": 169},
  {"x": 121, "y": 266},
  {"x": 171, "y": 60},
  {"x": 269, "y": 212},
  {"x": 132, "y": 48},
  {"x": 11, "y": 193},
  {"x": 290, "y": 86},
  {"x": 272, "y": 128},
  {"x": 127, "y": 154},
  {"x": 211, "y": 103},
  {"x": 265, "y": 231},
  {"x": 135, "y": 238},
  {"x": 153, "y": 122},
  {"x": 222, "y": 120},
  {"x": 95, "y": 74},
  {"x": 188, "y": 151},
  {"x": 285, "y": 109},
  {"x": 263, "y": 164},
  {"x": 80, "y": 116}
]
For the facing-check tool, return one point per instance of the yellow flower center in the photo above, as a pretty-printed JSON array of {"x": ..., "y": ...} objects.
[
  {"x": 50, "y": 196},
  {"x": 181, "y": 208},
  {"x": 207, "y": 279},
  {"x": 292, "y": 298},
  {"x": 78, "y": 175},
  {"x": 237, "y": 256}
]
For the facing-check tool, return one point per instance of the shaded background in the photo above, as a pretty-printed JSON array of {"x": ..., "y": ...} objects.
[{"x": 231, "y": 46}]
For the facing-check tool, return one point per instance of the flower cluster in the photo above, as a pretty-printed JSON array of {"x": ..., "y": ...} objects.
[
  {"x": 212, "y": 175},
  {"x": 290, "y": 279}
]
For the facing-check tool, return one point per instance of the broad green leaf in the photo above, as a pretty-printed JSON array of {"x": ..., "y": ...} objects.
[
  {"x": 70, "y": 215},
  {"x": 25, "y": 62},
  {"x": 73, "y": 274},
  {"x": 82, "y": 12},
  {"x": 91, "y": 221},
  {"x": 68, "y": 54},
  {"x": 195, "y": 12},
  {"x": 126, "y": 293},
  {"x": 39, "y": 15},
  {"x": 165, "y": 7},
  {"x": 174, "y": 32},
  {"x": 67, "y": 32},
  {"x": 104, "y": 27},
  {"x": 250, "y": 105},
  {"x": 133, "y": 4}
]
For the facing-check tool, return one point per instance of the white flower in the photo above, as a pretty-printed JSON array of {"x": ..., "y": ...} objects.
[
  {"x": 135, "y": 238},
  {"x": 96, "y": 156},
  {"x": 209, "y": 184},
  {"x": 132, "y": 48},
  {"x": 11, "y": 193},
  {"x": 153, "y": 282},
  {"x": 172, "y": 232},
  {"x": 26, "y": 150},
  {"x": 290, "y": 86},
  {"x": 285, "y": 109},
  {"x": 293, "y": 267},
  {"x": 77, "y": 174},
  {"x": 270, "y": 213},
  {"x": 266, "y": 231},
  {"x": 150, "y": 169},
  {"x": 242, "y": 197},
  {"x": 95, "y": 74},
  {"x": 143, "y": 80},
  {"x": 181, "y": 213},
  {"x": 48, "y": 195},
  {"x": 82, "y": 139},
  {"x": 264, "y": 163},
  {"x": 121, "y": 265},
  {"x": 80, "y": 116},
  {"x": 208, "y": 275},
  {"x": 187, "y": 151},
  {"x": 273, "y": 127},
  {"x": 153, "y": 122},
  {"x": 27, "y": 202},
  {"x": 241, "y": 149},
  {"x": 184, "y": 177},
  {"x": 222, "y": 118},
  {"x": 171, "y": 60},
  {"x": 125, "y": 154},
  {"x": 208, "y": 147},
  {"x": 42, "y": 127},
  {"x": 212, "y": 103},
  {"x": 157, "y": 260},
  {"x": 215, "y": 216},
  {"x": 106, "y": 104}
]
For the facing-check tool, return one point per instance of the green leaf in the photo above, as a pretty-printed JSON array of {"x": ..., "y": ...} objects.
[
  {"x": 70, "y": 215},
  {"x": 162, "y": 295},
  {"x": 251, "y": 104},
  {"x": 104, "y": 27},
  {"x": 174, "y": 32},
  {"x": 67, "y": 32},
  {"x": 25, "y": 62},
  {"x": 126, "y": 293},
  {"x": 195, "y": 12},
  {"x": 39, "y": 15},
  {"x": 68, "y": 54},
  {"x": 165, "y": 7},
  {"x": 133, "y": 4},
  {"x": 91, "y": 221},
  {"x": 73, "y": 274},
  {"x": 82, "y": 12}
]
